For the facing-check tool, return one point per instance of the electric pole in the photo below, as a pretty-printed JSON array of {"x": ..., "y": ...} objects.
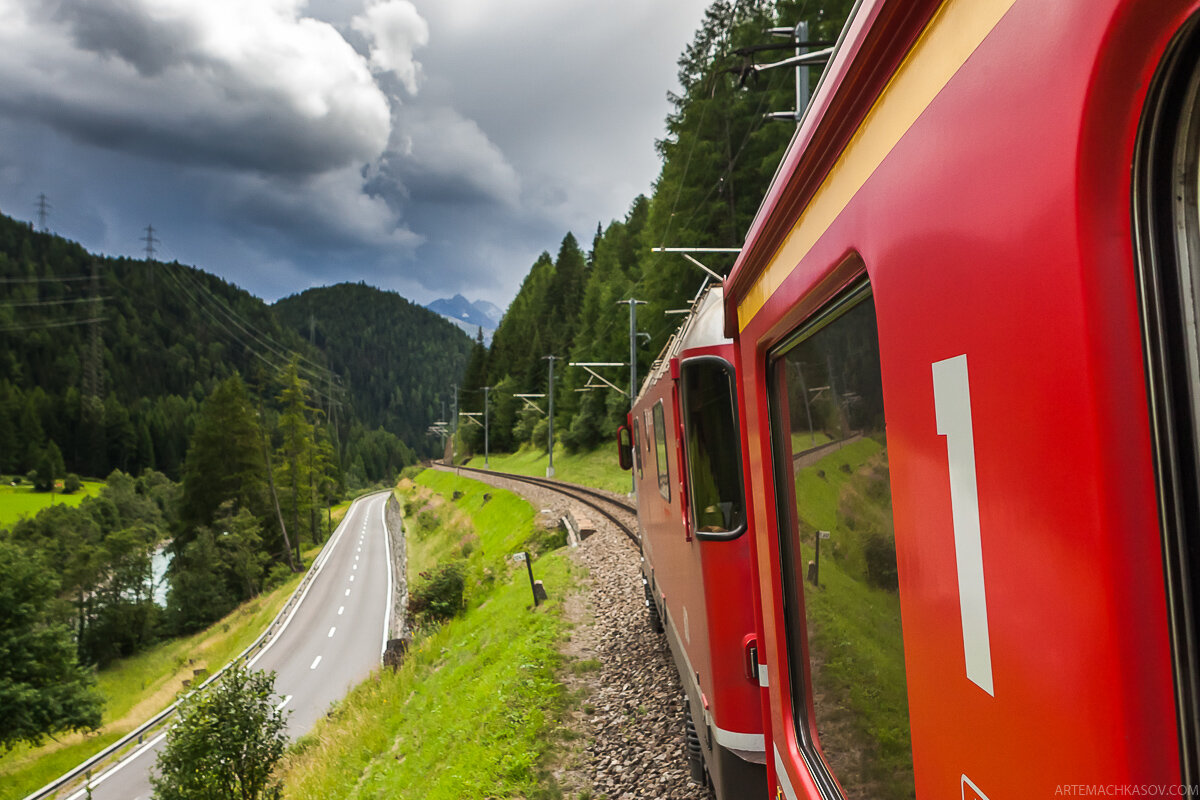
[
  {"x": 803, "y": 59},
  {"x": 454, "y": 425},
  {"x": 486, "y": 389},
  {"x": 550, "y": 430},
  {"x": 94, "y": 382}
]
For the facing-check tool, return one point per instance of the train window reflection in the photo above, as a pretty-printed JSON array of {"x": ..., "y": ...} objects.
[
  {"x": 660, "y": 452},
  {"x": 843, "y": 606},
  {"x": 711, "y": 434}
]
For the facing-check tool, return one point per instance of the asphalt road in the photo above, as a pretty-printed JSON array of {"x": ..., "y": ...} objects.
[{"x": 331, "y": 641}]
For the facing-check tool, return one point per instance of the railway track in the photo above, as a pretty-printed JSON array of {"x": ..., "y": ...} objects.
[{"x": 581, "y": 494}]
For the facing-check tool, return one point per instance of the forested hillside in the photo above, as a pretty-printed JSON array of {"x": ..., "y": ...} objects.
[
  {"x": 104, "y": 362},
  {"x": 396, "y": 359},
  {"x": 110, "y": 358},
  {"x": 223, "y": 435},
  {"x": 718, "y": 160}
]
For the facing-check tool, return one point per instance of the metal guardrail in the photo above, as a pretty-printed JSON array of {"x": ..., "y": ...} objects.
[{"x": 85, "y": 767}]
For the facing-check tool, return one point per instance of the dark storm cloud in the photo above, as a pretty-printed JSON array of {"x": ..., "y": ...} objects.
[
  {"x": 251, "y": 86},
  {"x": 428, "y": 146},
  {"x": 117, "y": 28}
]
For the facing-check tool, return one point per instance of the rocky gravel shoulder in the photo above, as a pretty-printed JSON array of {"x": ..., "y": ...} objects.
[{"x": 625, "y": 734}]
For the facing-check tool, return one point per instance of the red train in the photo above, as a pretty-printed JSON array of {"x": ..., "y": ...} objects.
[{"x": 966, "y": 331}]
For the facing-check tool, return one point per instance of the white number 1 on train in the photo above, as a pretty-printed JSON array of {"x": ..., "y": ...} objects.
[{"x": 952, "y": 407}]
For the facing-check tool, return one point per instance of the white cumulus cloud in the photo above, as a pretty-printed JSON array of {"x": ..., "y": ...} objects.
[{"x": 394, "y": 30}]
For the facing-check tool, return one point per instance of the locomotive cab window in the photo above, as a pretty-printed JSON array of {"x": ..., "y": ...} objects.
[
  {"x": 842, "y": 604},
  {"x": 660, "y": 452},
  {"x": 713, "y": 450}
]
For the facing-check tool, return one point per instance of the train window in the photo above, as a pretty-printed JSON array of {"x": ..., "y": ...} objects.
[
  {"x": 637, "y": 448},
  {"x": 711, "y": 435},
  {"x": 660, "y": 452},
  {"x": 842, "y": 604}
]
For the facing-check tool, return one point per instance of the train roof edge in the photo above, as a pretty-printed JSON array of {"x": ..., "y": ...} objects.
[{"x": 703, "y": 327}]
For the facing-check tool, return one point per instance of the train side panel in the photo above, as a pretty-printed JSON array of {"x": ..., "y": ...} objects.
[{"x": 985, "y": 201}]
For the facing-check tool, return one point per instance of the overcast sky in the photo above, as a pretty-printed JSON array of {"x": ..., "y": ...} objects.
[{"x": 426, "y": 146}]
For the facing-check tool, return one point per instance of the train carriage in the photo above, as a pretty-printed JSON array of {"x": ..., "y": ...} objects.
[
  {"x": 695, "y": 548},
  {"x": 966, "y": 336}
]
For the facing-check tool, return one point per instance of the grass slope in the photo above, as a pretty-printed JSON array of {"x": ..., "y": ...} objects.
[
  {"x": 597, "y": 468},
  {"x": 23, "y": 501},
  {"x": 472, "y": 711},
  {"x": 137, "y": 688}
]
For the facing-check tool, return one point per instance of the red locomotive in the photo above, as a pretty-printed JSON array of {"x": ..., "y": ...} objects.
[{"x": 966, "y": 326}]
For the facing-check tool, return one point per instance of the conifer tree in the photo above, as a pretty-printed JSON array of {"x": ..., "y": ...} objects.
[
  {"x": 224, "y": 462},
  {"x": 296, "y": 456}
]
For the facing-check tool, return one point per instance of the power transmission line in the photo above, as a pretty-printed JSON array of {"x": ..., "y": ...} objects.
[
  {"x": 314, "y": 374},
  {"x": 317, "y": 371},
  {"x": 37, "y": 326},
  {"x": 276, "y": 366},
  {"x": 95, "y": 381},
  {"x": 48, "y": 279},
  {"x": 40, "y": 303}
]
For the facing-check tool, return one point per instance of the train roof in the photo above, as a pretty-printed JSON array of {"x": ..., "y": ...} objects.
[{"x": 703, "y": 327}]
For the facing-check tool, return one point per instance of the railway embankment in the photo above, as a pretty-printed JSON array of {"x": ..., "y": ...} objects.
[{"x": 625, "y": 733}]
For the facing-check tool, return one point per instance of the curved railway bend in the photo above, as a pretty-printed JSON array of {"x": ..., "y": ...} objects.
[{"x": 631, "y": 712}]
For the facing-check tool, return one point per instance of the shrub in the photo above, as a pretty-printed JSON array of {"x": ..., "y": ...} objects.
[
  {"x": 72, "y": 484},
  {"x": 438, "y": 596},
  {"x": 425, "y": 523},
  {"x": 226, "y": 741},
  {"x": 278, "y": 576},
  {"x": 544, "y": 539},
  {"x": 880, "y": 553}
]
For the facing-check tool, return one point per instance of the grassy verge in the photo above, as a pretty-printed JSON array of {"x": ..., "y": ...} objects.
[
  {"x": 597, "y": 468},
  {"x": 137, "y": 688},
  {"x": 23, "y": 501},
  {"x": 473, "y": 710}
]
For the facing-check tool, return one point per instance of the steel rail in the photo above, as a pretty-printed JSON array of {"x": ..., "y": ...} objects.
[{"x": 580, "y": 493}]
